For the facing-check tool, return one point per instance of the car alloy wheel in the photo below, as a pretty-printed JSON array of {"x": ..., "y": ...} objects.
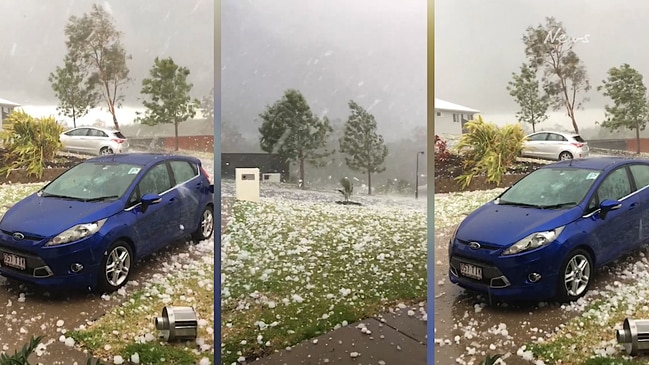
[
  {"x": 106, "y": 151},
  {"x": 565, "y": 156},
  {"x": 116, "y": 266},
  {"x": 206, "y": 226},
  {"x": 575, "y": 275}
]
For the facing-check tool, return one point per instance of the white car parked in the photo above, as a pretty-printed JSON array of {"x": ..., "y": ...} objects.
[
  {"x": 555, "y": 146},
  {"x": 94, "y": 141}
]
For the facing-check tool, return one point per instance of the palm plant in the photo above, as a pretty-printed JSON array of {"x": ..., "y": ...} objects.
[{"x": 489, "y": 150}]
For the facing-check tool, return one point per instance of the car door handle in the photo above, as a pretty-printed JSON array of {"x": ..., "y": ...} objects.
[
  {"x": 633, "y": 205},
  {"x": 172, "y": 200}
]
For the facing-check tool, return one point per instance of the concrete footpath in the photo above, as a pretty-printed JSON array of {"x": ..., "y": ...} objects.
[{"x": 396, "y": 337}]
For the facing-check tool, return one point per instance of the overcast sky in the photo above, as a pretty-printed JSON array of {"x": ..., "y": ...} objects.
[
  {"x": 373, "y": 52},
  {"x": 32, "y": 42},
  {"x": 478, "y": 44}
]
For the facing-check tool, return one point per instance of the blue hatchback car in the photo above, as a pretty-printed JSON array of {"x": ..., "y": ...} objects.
[
  {"x": 86, "y": 228},
  {"x": 544, "y": 237}
]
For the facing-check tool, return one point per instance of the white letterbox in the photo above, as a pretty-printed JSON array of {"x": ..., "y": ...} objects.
[
  {"x": 272, "y": 177},
  {"x": 247, "y": 184}
]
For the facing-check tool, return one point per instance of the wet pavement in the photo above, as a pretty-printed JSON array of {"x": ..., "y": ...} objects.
[
  {"x": 391, "y": 338},
  {"x": 467, "y": 328}
]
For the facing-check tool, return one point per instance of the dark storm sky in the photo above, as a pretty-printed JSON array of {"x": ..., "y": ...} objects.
[
  {"x": 33, "y": 43},
  {"x": 478, "y": 44},
  {"x": 373, "y": 52}
]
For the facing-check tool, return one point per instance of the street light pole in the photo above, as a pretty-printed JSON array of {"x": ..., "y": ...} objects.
[{"x": 417, "y": 177}]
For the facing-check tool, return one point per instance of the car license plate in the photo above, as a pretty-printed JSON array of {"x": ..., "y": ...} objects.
[
  {"x": 471, "y": 271},
  {"x": 14, "y": 261}
]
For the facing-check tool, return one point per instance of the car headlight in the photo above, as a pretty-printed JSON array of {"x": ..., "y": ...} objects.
[
  {"x": 78, "y": 232},
  {"x": 535, "y": 240}
]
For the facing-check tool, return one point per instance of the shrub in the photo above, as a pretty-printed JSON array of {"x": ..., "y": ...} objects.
[
  {"x": 489, "y": 150},
  {"x": 29, "y": 142},
  {"x": 347, "y": 189},
  {"x": 442, "y": 154}
]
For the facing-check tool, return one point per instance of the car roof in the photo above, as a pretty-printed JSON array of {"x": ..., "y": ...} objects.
[
  {"x": 596, "y": 163},
  {"x": 570, "y": 134},
  {"x": 107, "y": 130},
  {"x": 144, "y": 158}
]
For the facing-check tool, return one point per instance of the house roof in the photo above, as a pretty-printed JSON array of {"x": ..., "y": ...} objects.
[
  {"x": 5, "y": 102},
  {"x": 445, "y": 105}
]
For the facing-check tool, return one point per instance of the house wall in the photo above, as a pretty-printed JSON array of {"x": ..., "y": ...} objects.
[
  {"x": 450, "y": 122},
  {"x": 444, "y": 124},
  {"x": 263, "y": 161}
]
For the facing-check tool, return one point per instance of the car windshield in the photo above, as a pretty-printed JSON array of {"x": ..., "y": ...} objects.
[
  {"x": 550, "y": 188},
  {"x": 93, "y": 181}
]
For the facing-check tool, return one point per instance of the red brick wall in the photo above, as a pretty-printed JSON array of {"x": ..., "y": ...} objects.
[
  {"x": 190, "y": 143},
  {"x": 631, "y": 144}
]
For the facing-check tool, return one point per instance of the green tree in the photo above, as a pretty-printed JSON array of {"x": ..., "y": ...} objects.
[
  {"x": 364, "y": 148},
  {"x": 549, "y": 49},
  {"x": 290, "y": 129},
  {"x": 630, "y": 109},
  {"x": 75, "y": 93},
  {"x": 168, "y": 90},
  {"x": 525, "y": 89},
  {"x": 207, "y": 106},
  {"x": 94, "y": 42}
]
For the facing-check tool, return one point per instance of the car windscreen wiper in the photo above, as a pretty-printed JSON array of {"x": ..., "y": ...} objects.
[
  {"x": 49, "y": 195},
  {"x": 560, "y": 205},
  {"x": 505, "y": 202},
  {"x": 101, "y": 198}
]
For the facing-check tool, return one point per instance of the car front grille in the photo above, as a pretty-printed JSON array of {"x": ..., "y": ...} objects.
[
  {"x": 34, "y": 265},
  {"x": 491, "y": 275}
]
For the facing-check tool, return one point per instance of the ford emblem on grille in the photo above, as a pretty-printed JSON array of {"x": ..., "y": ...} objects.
[
  {"x": 18, "y": 236},
  {"x": 474, "y": 245}
]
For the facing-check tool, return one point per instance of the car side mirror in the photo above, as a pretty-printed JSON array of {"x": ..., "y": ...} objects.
[
  {"x": 608, "y": 205},
  {"x": 149, "y": 199}
]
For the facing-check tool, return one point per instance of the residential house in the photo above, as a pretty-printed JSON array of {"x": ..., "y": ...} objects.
[
  {"x": 6, "y": 107},
  {"x": 450, "y": 118}
]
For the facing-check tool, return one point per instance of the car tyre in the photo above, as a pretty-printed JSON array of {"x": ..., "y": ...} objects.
[
  {"x": 565, "y": 155},
  {"x": 116, "y": 266},
  {"x": 575, "y": 276},
  {"x": 106, "y": 151},
  {"x": 205, "y": 226}
]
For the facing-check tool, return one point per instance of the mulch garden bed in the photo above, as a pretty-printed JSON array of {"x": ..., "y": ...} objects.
[
  {"x": 53, "y": 168},
  {"x": 446, "y": 172}
]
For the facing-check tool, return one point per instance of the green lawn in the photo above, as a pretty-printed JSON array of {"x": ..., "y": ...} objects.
[{"x": 294, "y": 269}]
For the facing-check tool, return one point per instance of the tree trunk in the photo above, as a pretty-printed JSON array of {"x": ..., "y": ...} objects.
[
  {"x": 176, "y": 131},
  {"x": 533, "y": 127},
  {"x": 369, "y": 182},
  {"x": 637, "y": 138},
  {"x": 574, "y": 122},
  {"x": 302, "y": 182},
  {"x": 111, "y": 108}
]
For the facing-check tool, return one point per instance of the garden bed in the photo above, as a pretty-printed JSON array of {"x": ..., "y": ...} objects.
[
  {"x": 52, "y": 169},
  {"x": 453, "y": 167}
]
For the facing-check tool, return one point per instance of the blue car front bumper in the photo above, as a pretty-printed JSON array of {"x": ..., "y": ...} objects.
[
  {"x": 29, "y": 261},
  {"x": 527, "y": 276}
]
